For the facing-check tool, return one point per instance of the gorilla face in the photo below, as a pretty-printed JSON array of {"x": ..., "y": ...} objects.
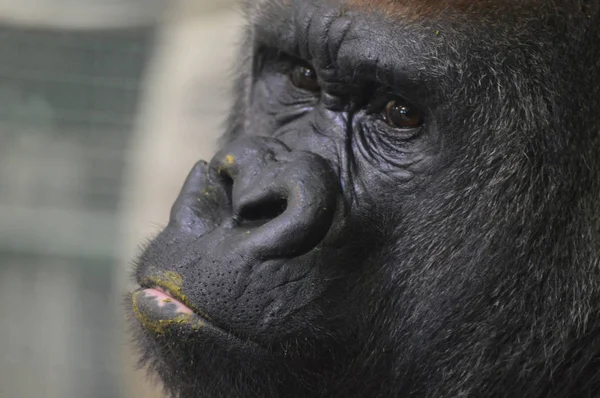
[{"x": 405, "y": 204}]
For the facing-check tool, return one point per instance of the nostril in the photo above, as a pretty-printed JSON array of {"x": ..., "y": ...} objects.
[{"x": 263, "y": 211}]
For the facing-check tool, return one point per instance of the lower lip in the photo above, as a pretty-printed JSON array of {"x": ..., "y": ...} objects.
[
  {"x": 164, "y": 300},
  {"x": 159, "y": 313}
]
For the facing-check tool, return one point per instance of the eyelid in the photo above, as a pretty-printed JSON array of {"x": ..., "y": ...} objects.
[
  {"x": 383, "y": 96},
  {"x": 275, "y": 60},
  {"x": 378, "y": 102},
  {"x": 397, "y": 134}
]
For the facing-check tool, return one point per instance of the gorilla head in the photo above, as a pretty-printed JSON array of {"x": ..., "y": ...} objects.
[{"x": 406, "y": 204}]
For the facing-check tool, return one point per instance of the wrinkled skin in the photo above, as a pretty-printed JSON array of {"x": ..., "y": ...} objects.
[{"x": 406, "y": 204}]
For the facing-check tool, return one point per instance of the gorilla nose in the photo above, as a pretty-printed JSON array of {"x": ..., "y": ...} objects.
[{"x": 283, "y": 201}]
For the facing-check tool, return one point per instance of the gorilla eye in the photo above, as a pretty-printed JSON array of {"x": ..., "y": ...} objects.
[
  {"x": 400, "y": 115},
  {"x": 305, "y": 78}
]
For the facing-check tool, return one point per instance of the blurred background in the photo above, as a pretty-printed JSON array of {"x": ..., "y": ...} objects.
[{"x": 104, "y": 107}]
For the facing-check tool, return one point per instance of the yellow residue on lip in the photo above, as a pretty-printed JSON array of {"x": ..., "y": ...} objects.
[
  {"x": 229, "y": 159},
  {"x": 173, "y": 282},
  {"x": 159, "y": 326},
  {"x": 207, "y": 191}
]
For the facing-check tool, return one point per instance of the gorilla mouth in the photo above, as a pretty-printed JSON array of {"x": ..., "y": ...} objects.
[
  {"x": 165, "y": 297},
  {"x": 162, "y": 310},
  {"x": 157, "y": 309}
]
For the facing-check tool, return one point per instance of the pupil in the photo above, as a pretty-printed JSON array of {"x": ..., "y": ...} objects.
[
  {"x": 308, "y": 73},
  {"x": 402, "y": 116},
  {"x": 306, "y": 78},
  {"x": 401, "y": 109}
]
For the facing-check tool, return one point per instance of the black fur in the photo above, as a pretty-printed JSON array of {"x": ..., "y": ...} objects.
[{"x": 458, "y": 259}]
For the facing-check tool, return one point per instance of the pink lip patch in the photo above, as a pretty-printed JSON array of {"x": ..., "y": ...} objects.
[{"x": 164, "y": 299}]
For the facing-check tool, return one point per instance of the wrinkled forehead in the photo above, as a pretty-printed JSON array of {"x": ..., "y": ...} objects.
[
  {"x": 460, "y": 18},
  {"x": 430, "y": 8},
  {"x": 415, "y": 28},
  {"x": 393, "y": 16},
  {"x": 481, "y": 11},
  {"x": 478, "y": 10}
]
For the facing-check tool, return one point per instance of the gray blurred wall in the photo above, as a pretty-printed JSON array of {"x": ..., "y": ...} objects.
[
  {"x": 181, "y": 116},
  {"x": 105, "y": 108},
  {"x": 83, "y": 14}
]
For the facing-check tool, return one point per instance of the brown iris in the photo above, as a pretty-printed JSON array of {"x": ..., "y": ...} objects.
[
  {"x": 402, "y": 115},
  {"x": 305, "y": 78}
]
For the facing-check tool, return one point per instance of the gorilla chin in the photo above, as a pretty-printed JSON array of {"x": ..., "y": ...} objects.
[{"x": 405, "y": 204}]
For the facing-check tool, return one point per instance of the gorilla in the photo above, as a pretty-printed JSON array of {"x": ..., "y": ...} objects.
[{"x": 405, "y": 203}]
